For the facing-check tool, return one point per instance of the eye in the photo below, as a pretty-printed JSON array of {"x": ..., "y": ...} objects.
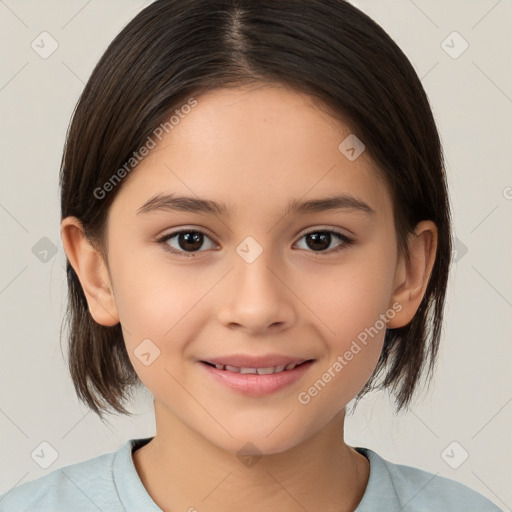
[
  {"x": 321, "y": 240},
  {"x": 187, "y": 241}
]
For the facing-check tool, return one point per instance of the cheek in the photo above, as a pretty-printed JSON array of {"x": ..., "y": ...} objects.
[
  {"x": 154, "y": 297},
  {"x": 350, "y": 297},
  {"x": 353, "y": 342},
  {"x": 352, "y": 302},
  {"x": 158, "y": 308}
]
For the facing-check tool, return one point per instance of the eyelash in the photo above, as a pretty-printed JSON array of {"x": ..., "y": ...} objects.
[{"x": 346, "y": 241}]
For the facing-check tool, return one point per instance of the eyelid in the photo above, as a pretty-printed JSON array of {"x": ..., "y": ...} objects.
[
  {"x": 323, "y": 228},
  {"x": 185, "y": 229},
  {"x": 305, "y": 231},
  {"x": 346, "y": 240}
]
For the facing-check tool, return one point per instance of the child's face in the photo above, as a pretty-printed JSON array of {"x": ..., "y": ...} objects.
[{"x": 255, "y": 151}]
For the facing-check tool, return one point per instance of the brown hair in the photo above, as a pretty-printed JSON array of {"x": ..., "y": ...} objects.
[{"x": 176, "y": 49}]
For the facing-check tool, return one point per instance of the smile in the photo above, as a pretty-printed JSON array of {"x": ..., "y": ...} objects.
[
  {"x": 259, "y": 371},
  {"x": 258, "y": 380}
]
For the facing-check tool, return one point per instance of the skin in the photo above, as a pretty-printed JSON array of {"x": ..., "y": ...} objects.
[{"x": 253, "y": 148}]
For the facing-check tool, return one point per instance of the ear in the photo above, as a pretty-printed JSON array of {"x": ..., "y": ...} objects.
[
  {"x": 91, "y": 270},
  {"x": 411, "y": 278}
]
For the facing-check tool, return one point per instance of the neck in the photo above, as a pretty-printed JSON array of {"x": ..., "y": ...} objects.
[{"x": 183, "y": 471}]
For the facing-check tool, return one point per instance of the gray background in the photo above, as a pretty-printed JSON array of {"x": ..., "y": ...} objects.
[{"x": 471, "y": 95}]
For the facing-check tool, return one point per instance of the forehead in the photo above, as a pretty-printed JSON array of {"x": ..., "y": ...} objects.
[{"x": 254, "y": 146}]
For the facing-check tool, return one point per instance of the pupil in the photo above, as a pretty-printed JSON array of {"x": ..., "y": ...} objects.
[
  {"x": 320, "y": 240},
  {"x": 192, "y": 238}
]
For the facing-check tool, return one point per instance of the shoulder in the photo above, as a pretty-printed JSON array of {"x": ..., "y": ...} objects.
[
  {"x": 415, "y": 490},
  {"x": 83, "y": 486}
]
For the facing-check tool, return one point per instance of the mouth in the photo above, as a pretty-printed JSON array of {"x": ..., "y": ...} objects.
[
  {"x": 256, "y": 377},
  {"x": 266, "y": 370}
]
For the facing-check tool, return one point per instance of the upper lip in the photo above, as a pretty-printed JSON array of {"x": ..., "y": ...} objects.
[{"x": 263, "y": 361}]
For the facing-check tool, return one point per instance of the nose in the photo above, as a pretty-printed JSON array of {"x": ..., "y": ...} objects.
[{"x": 256, "y": 297}]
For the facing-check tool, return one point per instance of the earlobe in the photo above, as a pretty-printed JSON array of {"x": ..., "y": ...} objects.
[
  {"x": 411, "y": 278},
  {"x": 91, "y": 270}
]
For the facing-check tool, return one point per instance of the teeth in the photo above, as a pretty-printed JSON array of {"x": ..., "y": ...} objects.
[
  {"x": 265, "y": 371},
  {"x": 248, "y": 370},
  {"x": 259, "y": 371}
]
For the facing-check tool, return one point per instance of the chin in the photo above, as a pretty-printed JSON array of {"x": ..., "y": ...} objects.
[{"x": 249, "y": 440}]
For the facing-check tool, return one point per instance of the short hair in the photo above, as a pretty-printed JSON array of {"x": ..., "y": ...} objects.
[{"x": 328, "y": 49}]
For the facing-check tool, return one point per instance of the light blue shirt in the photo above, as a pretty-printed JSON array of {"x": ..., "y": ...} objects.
[{"x": 110, "y": 483}]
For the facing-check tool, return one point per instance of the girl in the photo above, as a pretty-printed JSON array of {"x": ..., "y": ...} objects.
[{"x": 256, "y": 220}]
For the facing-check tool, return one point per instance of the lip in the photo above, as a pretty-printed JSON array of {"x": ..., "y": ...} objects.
[{"x": 256, "y": 385}]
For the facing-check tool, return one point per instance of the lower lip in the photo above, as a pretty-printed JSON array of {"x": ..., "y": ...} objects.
[{"x": 257, "y": 385}]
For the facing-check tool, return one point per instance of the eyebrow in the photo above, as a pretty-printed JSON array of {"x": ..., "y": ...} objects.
[{"x": 174, "y": 202}]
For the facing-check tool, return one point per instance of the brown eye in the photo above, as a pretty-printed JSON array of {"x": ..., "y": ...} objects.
[
  {"x": 320, "y": 241},
  {"x": 190, "y": 241},
  {"x": 185, "y": 241}
]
